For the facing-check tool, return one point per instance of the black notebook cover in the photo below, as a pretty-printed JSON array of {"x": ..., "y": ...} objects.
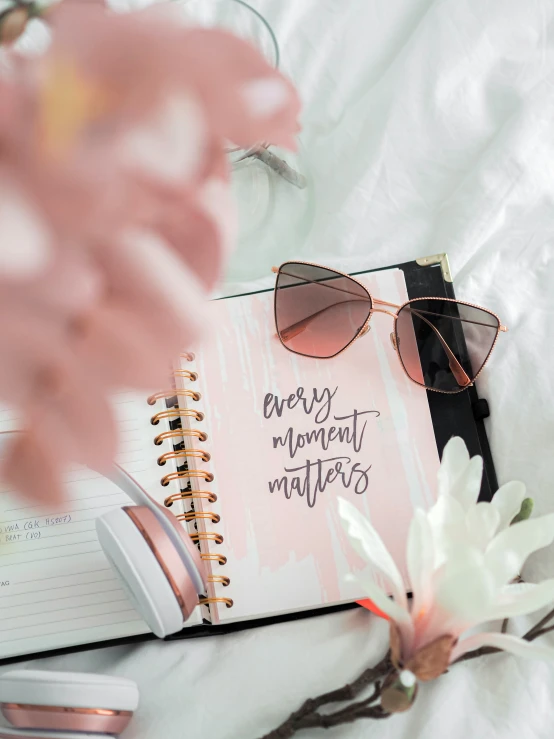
[{"x": 460, "y": 414}]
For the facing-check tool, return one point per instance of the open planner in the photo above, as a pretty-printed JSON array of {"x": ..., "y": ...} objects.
[{"x": 249, "y": 446}]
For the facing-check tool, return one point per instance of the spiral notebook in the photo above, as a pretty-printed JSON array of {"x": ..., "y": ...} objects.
[{"x": 249, "y": 446}]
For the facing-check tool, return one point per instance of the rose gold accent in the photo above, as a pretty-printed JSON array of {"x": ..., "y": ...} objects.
[
  {"x": 210, "y": 557},
  {"x": 183, "y": 534},
  {"x": 393, "y": 341},
  {"x": 465, "y": 379},
  {"x": 171, "y": 393},
  {"x": 204, "y": 456},
  {"x": 275, "y": 269},
  {"x": 187, "y": 356},
  {"x": 176, "y": 433},
  {"x": 207, "y": 536},
  {"x": 192, "y": 515},
  {"x": 62, "y": 718},
  {"x": 186, "y": 473},
  {"x": 175, "y": 413},
  {"x": 192, "y": 376},
  {"x": 221, "y": 579},
  {"x": 188, "y": 494},
  {"x": 166, "y": 555},
  {"x": 228, "y": 601}
]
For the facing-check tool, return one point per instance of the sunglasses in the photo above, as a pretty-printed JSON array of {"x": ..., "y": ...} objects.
[{"x": 442, "y": 344}]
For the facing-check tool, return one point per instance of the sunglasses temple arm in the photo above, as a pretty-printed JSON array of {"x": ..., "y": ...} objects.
[{"x": 457, "y": 370}]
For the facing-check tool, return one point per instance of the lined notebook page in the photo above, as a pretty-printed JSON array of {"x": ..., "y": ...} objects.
[{"x": 56, "y": 587}]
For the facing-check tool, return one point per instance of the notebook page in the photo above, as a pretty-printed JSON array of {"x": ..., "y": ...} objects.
[
  {"x": 57, "y": 589},
  {"x": 278, "y": 470}
]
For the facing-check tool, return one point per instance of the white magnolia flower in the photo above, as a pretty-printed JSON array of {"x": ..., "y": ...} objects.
[{"x": 462, "y": 558}]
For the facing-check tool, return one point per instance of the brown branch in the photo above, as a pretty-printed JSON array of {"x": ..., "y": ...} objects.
[
  {"x": 530, "y": 635},
  {"x": 541, "y": 632},
  {"x": 307, "y": 715}
]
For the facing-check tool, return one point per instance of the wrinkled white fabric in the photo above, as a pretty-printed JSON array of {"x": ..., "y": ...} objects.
[{"x": 428, "y": 127}]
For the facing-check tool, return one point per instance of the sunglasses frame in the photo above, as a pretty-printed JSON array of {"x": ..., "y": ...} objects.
[{"x": 394, "y": 335}]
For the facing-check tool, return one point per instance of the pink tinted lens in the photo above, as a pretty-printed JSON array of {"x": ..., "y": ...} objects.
[
  {"x": 444, "y": 344},
  {"x": 318, "y": 312}
]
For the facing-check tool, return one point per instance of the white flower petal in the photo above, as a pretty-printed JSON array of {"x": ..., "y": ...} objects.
[
  {"x": 467, "y": 486},
  {"x": 507, "y": 500},
  {"x": 522, "y": 598},
  {"x": 506, "y": 642},
  {"x": 367, "y": 542},
  {"x": 465, "y": 589},
  {"x": 420, "y": 558},
  {"x": 455, "y": 458},
  {"x": 383, "y": 602},
  {"x": 508, "y": 551},
  {"x": 448, "y": 525},
  {"x": 482, "y": 522}
]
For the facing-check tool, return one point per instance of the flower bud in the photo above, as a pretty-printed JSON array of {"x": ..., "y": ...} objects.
[
  {"x": 397, "y": 696},
  {"x": 524, "y": 512},
  {"x": 13, "y": 24}
]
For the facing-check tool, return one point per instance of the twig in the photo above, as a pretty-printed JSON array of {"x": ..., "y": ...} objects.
[
  {"x": 476, "y": 653},
  {"x": 307, "y": 714},
  {"x": 530, "y": 635},
  {"x": 542, "y": 632}
]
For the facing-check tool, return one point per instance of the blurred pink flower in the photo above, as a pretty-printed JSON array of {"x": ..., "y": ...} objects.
[{"x": 115, "y": 215}]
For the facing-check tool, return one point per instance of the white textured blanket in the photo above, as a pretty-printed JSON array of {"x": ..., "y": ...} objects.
[{"x": 428, "y": 127}]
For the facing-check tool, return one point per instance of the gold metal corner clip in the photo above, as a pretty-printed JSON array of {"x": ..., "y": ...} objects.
[{"x": 441, "y": 259}]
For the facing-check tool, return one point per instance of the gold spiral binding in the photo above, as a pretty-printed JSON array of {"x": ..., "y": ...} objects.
[
  {"x": 190, "y": 494},
  {"x": 207, "y": 536},
  {"x": 220, "y": 579},
  {"x": 181, "y": 452},
  {"x": 198, "y": 453},
  {"x": 228, "y": 601},
  {"x": 193, "y": 515},
  {"x": 175, "y": 413},
  {"x": 188, "y": 356},
  {"x": 177, "y": 433},
  {"x": 152, "y": 400},
  {"x": 211, "y": 557},
  {"x": 179, "y": 475},
  {"x": 185, "y": 374}
]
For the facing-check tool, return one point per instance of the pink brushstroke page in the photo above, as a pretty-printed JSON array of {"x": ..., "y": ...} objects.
[{"x": 283, "y": 541}]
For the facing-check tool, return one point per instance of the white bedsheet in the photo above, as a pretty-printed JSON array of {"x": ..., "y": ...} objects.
[{"x": 428, "y": 127}]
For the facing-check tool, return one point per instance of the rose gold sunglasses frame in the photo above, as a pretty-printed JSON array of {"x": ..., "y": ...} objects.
[{"x": 365, "y": 328}]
